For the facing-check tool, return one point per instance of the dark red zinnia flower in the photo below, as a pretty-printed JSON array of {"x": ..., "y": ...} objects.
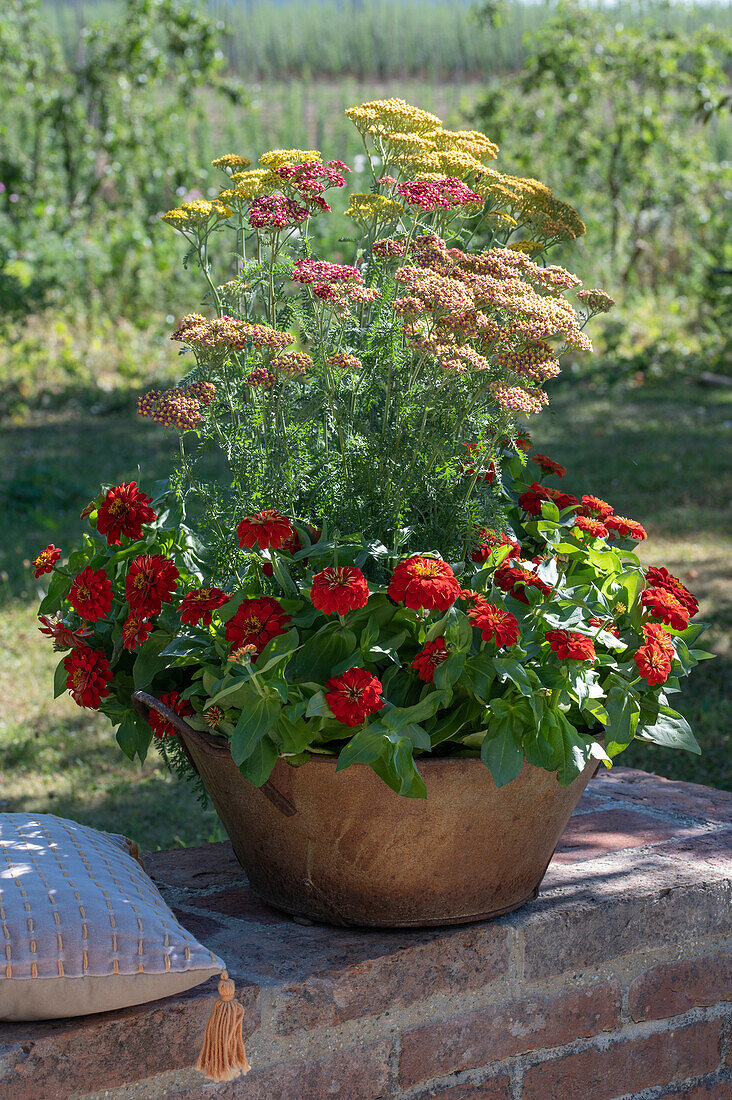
[
  {"x": 353, "y": 695},
  {"x": 123, "y": 512},
  {"x": 91, "y": 594},
  {"x": 424, "y": 582},
  {"x": 562, "y": 500},
  {"x": 664, "y": 605},
  {"x": 625, "y": 528},
  {"x": 653, "y": 664},
  {"x": 64, "y": 637},
  {"x": 267, "y": 529},
  {"x": 494, "y": 622},
  {"x": 255, "y": 622},
  {"x": 655, "y": 634},
  {"x": 88, "y": 674},
  {"x": 593, "y": 506},
  {"x": 160, "y": 726},
  {"x": 530, "y": 500},
  {"x": 548, "y": 465},
  {"x": 339, "y": 589},
  {"x": 150, "y": 582},
  {"x": 45, "y": 561},
  {"x": 433, "y": 654},
  {"x": 197, "y": 606},
  {"x": 570, "y": 645},
  {"x": 135, "y": 631},
  {"x": 510, "y": 578},
  {"x": 659, "y": 577},
  {"x": 593, "y": 527}
]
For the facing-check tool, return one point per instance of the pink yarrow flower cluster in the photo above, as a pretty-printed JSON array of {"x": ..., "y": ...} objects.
[
  {"x": 275, "y": 212},
  {"x": 446, "y": 193}
]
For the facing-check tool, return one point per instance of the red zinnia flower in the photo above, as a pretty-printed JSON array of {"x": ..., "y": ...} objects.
[
  {"x": 548, "y": 465},
  {"x": 160, "y": 726},
  {"x": 492, "y": 540},
  {"x": 433, "y": 654},
  {"x": 339, "y": 588},
  {"x": 494, "y": 621},
  {"x": 123, "y": 512},
  {"x": 659, "y": 577},
  {"x": 531, "y": 499},
  {"x": 91, "y": 594},
  {"x": 654, "y": 634},
  {"x": 266, "y": 529},
  {"x": 151, "y": 581},
  {"x": 63, "y": 636},
  {"x": 512, "y": 579},
  {"x": 592, "y": 526},
  {"x": 198, "y": 605},
  {"x": 593, "y": 506},
  {"x": 45, "y": 561},
  {"x": 255, "y": 622},
  {"x": 625, "y": 528},
  {"x": 469, "y": 595},
  {"x": 562, "y": 500},
  {"x": 136, "y": 631},
  {"x": 88, "y": 674},
  {"x": 664, "y": 605},
  {"x": 569, "y": 645},
  {"x": 353, "y": 696},
  {"x": 424, "y": 582},
  {"x": 653, "y": 664}
]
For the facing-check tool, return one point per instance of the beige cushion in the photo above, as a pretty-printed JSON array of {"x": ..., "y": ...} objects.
[{"x": 82, "y": 927}]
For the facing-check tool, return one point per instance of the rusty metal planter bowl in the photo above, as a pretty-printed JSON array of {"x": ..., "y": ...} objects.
[{"x": 345, "y": 849}]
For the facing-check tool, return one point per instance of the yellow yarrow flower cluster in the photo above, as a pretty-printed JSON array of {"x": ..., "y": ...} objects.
[
  {"x": 533, "y": 203},
  {"x": 231, "y": 161},
  {"x": 383, "y": 116},
  {"x": 276, "y": 158},
  {"x": 365, "y": 209},
  {"x": 418, "y": 143},
  {"x": 196, "y": 214},
  {"x": 470, "y": 142},
  {"x": 529, "y": 247},
  {"x": 251, "y": 184}
]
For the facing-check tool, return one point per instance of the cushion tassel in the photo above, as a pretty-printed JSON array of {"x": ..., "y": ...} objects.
[{"x": 222, "y": 1056}]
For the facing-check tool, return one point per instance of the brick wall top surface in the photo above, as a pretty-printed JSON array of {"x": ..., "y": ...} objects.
[{"x": 645, "y": 863}]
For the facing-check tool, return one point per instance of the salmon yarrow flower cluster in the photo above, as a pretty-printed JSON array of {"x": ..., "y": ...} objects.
[{"x": 358, "y": 554}]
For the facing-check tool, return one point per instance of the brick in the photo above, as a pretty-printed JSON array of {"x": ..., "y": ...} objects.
[
  {"x": 561, "y": 935},
  {"x": 668, "y": 795},
  {"x": 714, "y": 1089},
  {"x": 628, "y": 1066},
  {"x": 240, "y": 902},
  {"x": 672, "y": 988},
  {"x": 360, "y": 1074},
  {"x": 590, "y": 802},
  {"x": 205, "y": 865},
  {"x": 712, "y": 848},
  {"x": 452, "y": 961},
  {"x": 64, "y": 1057},
  {"x": 609, "y": 830},
  {"x": 499, "y": 1031},
  {"x": 495, "y": 1088}
]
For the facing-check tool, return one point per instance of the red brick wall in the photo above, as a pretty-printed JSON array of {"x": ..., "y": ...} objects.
[{"x": 616, "y": 983}]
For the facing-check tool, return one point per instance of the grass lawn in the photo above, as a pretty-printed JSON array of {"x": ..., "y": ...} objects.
[{"x": 661, "y": 455}]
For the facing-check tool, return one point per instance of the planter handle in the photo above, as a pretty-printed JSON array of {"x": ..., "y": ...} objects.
[{"x": 219, "y": 746}]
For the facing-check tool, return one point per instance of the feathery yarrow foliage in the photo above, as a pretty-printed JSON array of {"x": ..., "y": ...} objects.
[{"x": 377, "y": 574}]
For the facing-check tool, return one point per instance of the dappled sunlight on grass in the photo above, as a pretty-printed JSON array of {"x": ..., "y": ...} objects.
[{"x": 57, "y": 758}]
